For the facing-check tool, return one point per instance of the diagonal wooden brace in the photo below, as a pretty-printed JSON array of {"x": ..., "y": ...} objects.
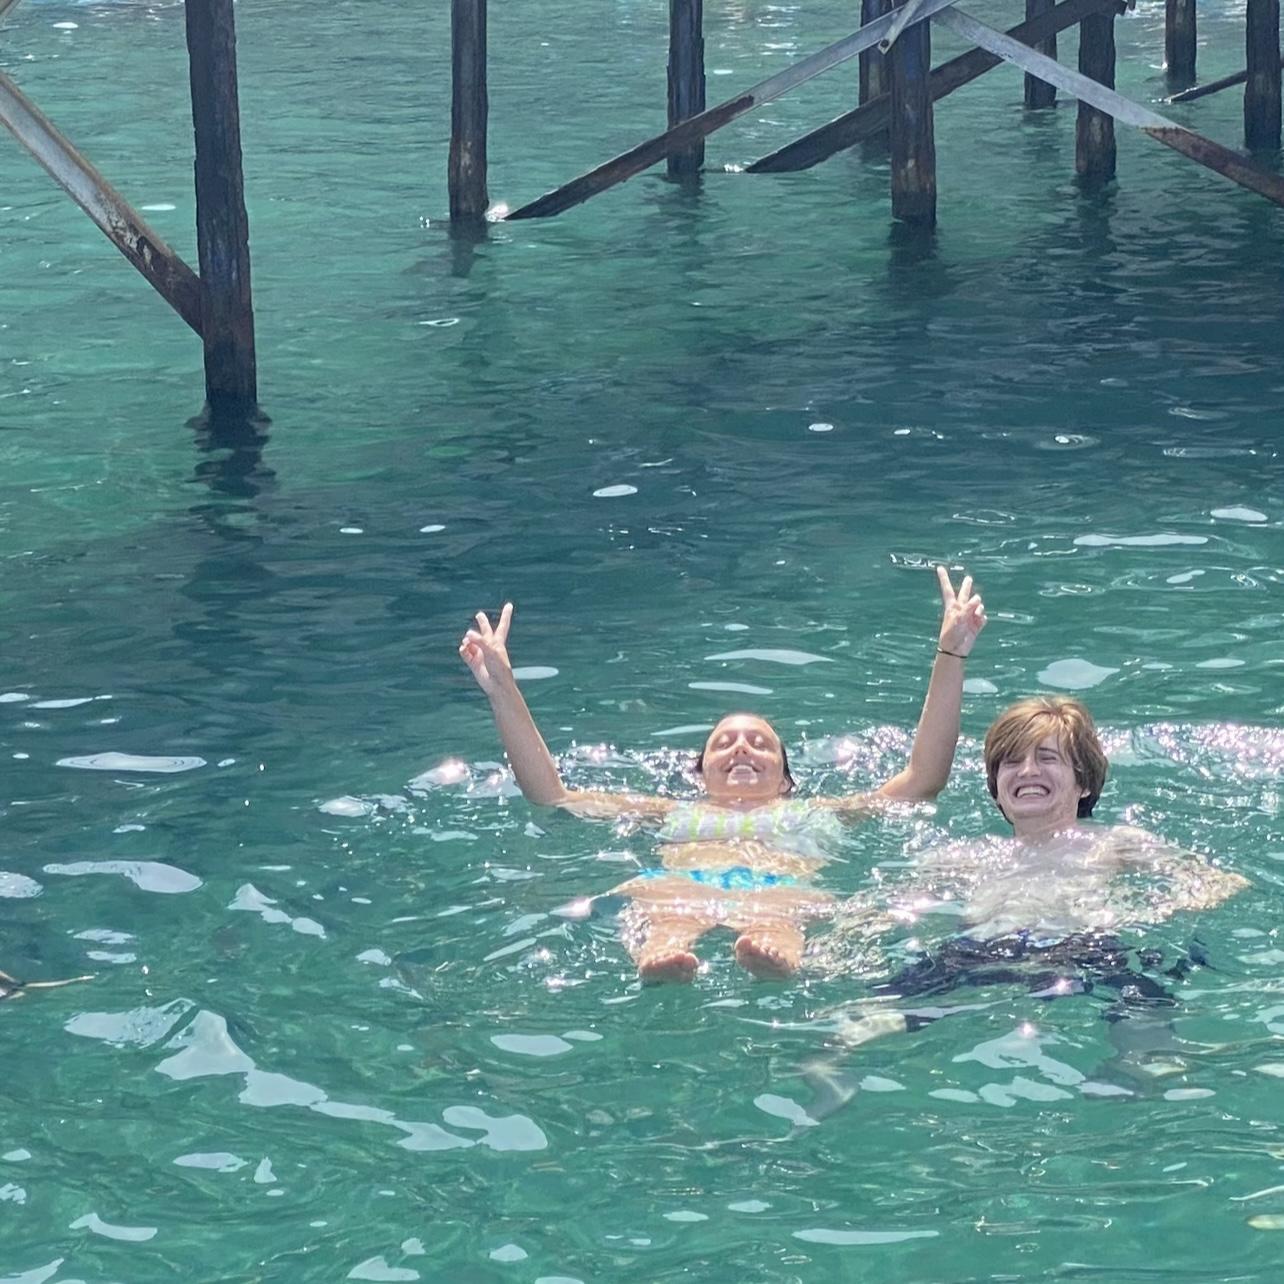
[
  {"x": 1222, "y": 160},
  {"x": 172, "y": 279},
  {"x": 908, "y": 14},
  {"x": 870, "y": 119},
  {"x": 653, "y": 150}
]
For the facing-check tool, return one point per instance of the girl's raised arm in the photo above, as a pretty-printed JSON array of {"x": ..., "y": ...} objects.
[
  {"x": 937, "y": 734},
  {"x": 484, "y": 650}
]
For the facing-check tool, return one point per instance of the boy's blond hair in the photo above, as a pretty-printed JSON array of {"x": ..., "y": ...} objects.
[{"x": 1016, "y": 731}]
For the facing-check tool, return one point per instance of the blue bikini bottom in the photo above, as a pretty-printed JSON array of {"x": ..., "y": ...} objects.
[{"x": 738, "y": 878}]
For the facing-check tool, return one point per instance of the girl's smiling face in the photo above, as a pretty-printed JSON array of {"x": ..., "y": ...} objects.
[{"x": 744, "y": 761}]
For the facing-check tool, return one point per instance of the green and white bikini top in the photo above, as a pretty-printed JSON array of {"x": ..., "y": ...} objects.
[{"x": 794, "y": 825}]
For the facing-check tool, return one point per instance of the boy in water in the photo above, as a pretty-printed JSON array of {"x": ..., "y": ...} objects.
[{"x": 1039, "y": 914}]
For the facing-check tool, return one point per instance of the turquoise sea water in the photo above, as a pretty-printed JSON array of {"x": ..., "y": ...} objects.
[{"x": 336, "y": 1030}]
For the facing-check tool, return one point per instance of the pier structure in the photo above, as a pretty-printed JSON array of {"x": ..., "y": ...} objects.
[
  {"x": 898, "y": 88},
  {"x": 897, "y": 92},
  {"x": 217, "y": 301}
]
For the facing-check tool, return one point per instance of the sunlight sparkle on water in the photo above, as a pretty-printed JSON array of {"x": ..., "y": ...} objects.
[{"x": 450, "y": 772}]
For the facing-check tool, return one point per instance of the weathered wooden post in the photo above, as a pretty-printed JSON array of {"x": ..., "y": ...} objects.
[
  {"x": 913, "y": 143},
  {"x": 1179, "y": 41},
  {"x": 873, "y": 63},
  {"x": 1094, "y": 156},
  {"x": 222, "y": 225},
  {"x": 469, "y": 107},
  {"x": 686, "y": 79},
  {"x": 1038, "y": 93},
  {"x": 1262, "y": 89}
]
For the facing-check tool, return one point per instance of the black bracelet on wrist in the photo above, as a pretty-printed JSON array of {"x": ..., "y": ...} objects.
[{"x": 940, "y": 650}]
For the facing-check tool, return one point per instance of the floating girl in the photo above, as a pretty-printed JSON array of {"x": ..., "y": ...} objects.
[{"x": 745, "y": 854}]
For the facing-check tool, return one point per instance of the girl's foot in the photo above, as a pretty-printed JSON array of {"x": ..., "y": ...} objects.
[
  {"x": 665, "y": 967},
  {"x": 763, "y": 957}
]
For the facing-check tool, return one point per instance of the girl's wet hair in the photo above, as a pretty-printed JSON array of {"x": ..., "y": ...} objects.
[
  {"x": 1015, "y": 732},
  {"x": 790, "y": 782}
]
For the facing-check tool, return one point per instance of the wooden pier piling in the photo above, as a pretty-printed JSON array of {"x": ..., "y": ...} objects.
[
  {"x": 912, "y": 137},
  {"x": 1179, "y": 42},
  {"x": 1262, "y": 87},
  {"x": 1094, "y": 159},
  {"x": 469, "y": 109},
  {"x": 873, "y": 63},
  {"x": 686, "y": 80},
  {"x": 222, "y": 225},
  {"x": 1038, "y": 93}
]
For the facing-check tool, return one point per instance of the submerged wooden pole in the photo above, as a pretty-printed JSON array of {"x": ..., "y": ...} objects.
[
  {"x": 686, "y": 79},
  {"x": 1038, "y": 93},
  {"x": 1094, "y": 157},
  {"x": 1179, "y": 41},
  {"x": 172, "y": 279},
  {"x": 469, "y": 109},
  {"x": 873, "y": 64},
  {"x": 1262, "y": 88},
  {"x": 913, "y": 144},
  {"x": 222, "y": 225}
]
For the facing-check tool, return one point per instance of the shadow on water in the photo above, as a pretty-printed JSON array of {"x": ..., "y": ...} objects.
[
  {"x": 915, "y": 266},
  {"x": 1094, "y": 216},
  {"x": 686, "y": 188},
  {"x": 233, "y": 447},
  {"x": 464, "y": 240}
]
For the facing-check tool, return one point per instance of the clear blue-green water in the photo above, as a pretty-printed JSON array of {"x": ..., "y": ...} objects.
[{"x": 335, "y": 1029}]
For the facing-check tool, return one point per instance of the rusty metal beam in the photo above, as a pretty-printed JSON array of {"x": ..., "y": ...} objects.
[{"x": 172, "y": 279}]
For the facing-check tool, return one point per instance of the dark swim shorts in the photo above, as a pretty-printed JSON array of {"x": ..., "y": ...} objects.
[{"x": 1075, "y": 964}]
